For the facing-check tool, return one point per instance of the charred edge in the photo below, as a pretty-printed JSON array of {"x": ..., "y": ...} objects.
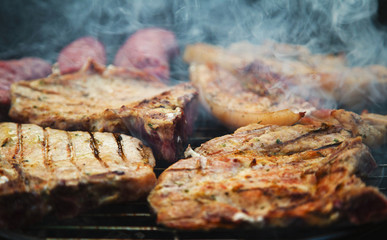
[
  {"x": 120, "y": 151},
  {"x": 94, "y": 148},
  {"x": 70, "y": 151}
]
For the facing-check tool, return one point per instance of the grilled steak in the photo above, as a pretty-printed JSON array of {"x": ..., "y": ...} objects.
[
  {"x": 268, "y": 175},
  {"x": 46, "y": 170},
  {"x": 162, "y": 116},
  {"x": 328, "y": 75}
]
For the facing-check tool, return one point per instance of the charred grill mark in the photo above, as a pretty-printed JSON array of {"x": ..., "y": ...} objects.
[
  {"x": 253, "y": 163},
  {"x": 274, "y": 193},
  {"x": 120, "y": 151},
  {"x": 94, "y": 148},
  {"x": 257, "y": 131},
  {"x": 143, "y": 153},
  {"x": 320, "y": 131},
  {"x": 64, "y": 104},
  {"x": 71, "y": 152},
  {"x": 41, "y": 97},
  {"x": 323, "y": 172},
  {"x": 5, "y": 142},
  {"x": 46, "y": 148},
  {"x": 209, "y": 153},
  {"x": 327, "y": 146},
  {"x": 40, "y": 90},
  {"x": 18, "y": 95},
  {"x": 15, "y": 162},
  {"x": 182, "y": 169},
  {"x": 265, "y": 191}
]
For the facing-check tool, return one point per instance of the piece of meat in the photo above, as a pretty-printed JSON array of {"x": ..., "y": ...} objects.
[
  {"x": 21, "y": 69},
  {"x": 328, "y": 76},
  {"x": 150, "y": 50},
  {"x": 15, "y": 70},
  {"x": 75, "y": 55},
  {"x": 270, "y": 176},
  {"x": 160, "y": 115},
  {"x": 224, "y": 95},
  {"x": 370, "y": 126},
  {"x": 45, "y": 170}
]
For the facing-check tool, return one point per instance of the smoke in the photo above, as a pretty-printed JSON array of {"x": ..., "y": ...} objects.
[{"x": 43, "y": 28}]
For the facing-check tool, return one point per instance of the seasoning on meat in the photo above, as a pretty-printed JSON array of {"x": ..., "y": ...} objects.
[
  {"x": 370, "y": 126},
  {"x": 45, "y": 170},
  {"x": 224, "y": 96},
  {"x": 271, "y": 176},
  {"x": 99, "y": 100},
  {"x": 328, "y": 75}
]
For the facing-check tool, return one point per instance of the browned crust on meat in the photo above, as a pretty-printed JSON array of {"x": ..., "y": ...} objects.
[
  {"x": 270, "y": 176},
  {"x": 353, "y": 87},
  {"x": 371, "y": 127},
  {"x": 225, "y": 96},
  {"x": 162, "y": 116},
  {"x": 48, "y": 170}
]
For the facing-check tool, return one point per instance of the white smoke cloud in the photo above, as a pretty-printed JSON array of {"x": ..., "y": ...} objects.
[
  {"x": 324, "y": 26},
  {"x": 43, "y": 28}
]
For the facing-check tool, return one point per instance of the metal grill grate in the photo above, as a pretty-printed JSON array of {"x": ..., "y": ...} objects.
[{"x": 135, "y": 221}]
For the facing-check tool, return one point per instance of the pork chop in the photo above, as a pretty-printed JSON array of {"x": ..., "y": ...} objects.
[
  {"x": 329, "y": 75},
  {"x": 45, "y": 170},
  {"x": 225, "y": 96},
  {"x": 270, "y": 176},
  {"x": 108, "y": 100}
]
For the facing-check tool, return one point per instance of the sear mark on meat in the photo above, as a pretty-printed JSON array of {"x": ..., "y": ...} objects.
[
  {"x": 311, "y": 178},
  {"x": 162, "y": 116},
  {"x": 49, "y": 170}
]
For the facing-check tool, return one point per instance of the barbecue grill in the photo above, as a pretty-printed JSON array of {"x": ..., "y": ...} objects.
[{"x": 134, "y": 220}]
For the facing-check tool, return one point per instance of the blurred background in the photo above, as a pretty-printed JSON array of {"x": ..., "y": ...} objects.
[{"x": 43, "y": 28}]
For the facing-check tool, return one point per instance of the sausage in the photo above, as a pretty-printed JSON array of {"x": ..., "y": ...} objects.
[
  {"x": 22, "y": 69},
  {"x": 16, "y": 70},
  {"x": 150, "y": 50},
  {"x": 76, "y": 54}
]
